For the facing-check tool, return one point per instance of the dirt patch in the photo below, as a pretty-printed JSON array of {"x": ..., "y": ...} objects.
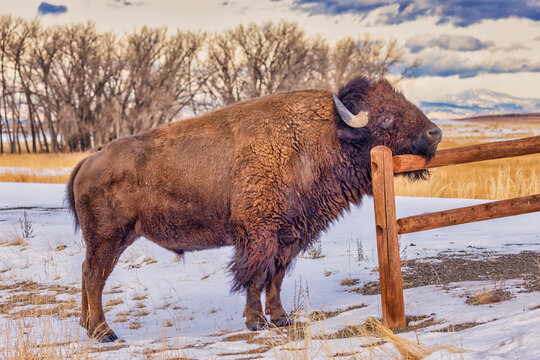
[
  {"x": 264, "y": 343},
  {"x": 416, "y": 322},
  {"x": 349, "y": 282},
  {"x": 258, "y": 350},
  {"x": 351, "y": 354},
  {"x": 366, "y": 329},
  {"x": 459, "y": 327},
  {"x": 107, "y": 348},
  {"x": 369, "y": 288},
  {"x": 247, "y": 337},
  {"x": 198, "y": 345},
  {"x": 445, "y": 269},
  {"x": 280, "y": 336},
  {"x": 147, "y": 354},
  {"x": 321, "y": 314}
]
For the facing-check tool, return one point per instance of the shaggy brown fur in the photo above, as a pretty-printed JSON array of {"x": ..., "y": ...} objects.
[{"x": 265, "y": 176}]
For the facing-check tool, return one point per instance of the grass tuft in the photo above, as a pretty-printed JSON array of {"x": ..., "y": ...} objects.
[{"x": 489, "y": 297}]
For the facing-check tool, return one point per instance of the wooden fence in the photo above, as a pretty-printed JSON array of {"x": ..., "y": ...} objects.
[{"x": 384, "y": 166}]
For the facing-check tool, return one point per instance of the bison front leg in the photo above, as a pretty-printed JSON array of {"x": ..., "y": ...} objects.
[
  {"x": 273, "y": 307},
  {"x": 253, "y": 312},
  {"x": 252, "y": 266}
]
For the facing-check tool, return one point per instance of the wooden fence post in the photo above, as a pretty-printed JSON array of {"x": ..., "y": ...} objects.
[{"x": 391, "y": 283}]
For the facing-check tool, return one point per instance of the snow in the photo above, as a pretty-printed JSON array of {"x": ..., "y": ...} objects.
[
  {"x": 475, "y": 102},
  {"x": 194, "y": 296}
]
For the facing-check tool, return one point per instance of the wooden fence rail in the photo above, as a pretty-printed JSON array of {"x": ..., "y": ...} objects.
[
  {"x": 384, "y": 166},
  {"x": 467, "y": 154}
]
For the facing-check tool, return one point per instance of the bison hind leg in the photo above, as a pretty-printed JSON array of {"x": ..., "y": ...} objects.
[{"x": 102, "y": 254}]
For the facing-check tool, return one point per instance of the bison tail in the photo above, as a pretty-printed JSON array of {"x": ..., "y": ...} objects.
[{"x": 71, "y": 196}]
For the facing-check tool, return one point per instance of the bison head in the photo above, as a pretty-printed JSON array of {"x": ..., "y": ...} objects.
[{"x": 373, "y": 112}]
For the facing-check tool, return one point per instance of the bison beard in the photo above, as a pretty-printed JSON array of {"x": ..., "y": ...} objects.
[{"x": 266, "y": 176}]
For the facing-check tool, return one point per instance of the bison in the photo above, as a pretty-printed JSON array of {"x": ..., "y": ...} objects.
[{"x": 265, "y": 176}]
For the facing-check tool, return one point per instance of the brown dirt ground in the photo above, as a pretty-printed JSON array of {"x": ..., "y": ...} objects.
[{"x": 445, "y": 269}]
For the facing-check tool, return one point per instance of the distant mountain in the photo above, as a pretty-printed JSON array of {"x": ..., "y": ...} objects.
[{"x": 478, "y": 102}]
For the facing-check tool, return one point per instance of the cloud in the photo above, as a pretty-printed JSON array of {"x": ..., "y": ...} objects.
[
  {"x": 120, "y": 3},
  {"x": 449, "y": 64},
  {"x": 459, "y": 13},
  {"x": 513, "y": 47},
  {"x": 46, "y": 8},
  {"x": 446, "y": 42}
]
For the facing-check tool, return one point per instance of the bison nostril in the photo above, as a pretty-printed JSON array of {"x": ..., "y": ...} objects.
[{"x": 435, "y": 134}]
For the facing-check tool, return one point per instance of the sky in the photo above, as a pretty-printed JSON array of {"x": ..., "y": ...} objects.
[{"x": 465, "y": 44}]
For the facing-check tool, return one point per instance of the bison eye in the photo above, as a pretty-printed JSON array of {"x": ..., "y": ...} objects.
[{"x": 387, "y": 121}]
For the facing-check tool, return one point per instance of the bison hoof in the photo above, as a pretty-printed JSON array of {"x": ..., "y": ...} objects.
[
  {"x": 256, "y": 326},
  {"x": 282, "y": 321},
  {"x": 108, "y": 338}
]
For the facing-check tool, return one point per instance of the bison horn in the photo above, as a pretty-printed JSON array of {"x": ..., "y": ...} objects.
[{"x": 356, "y": 121}]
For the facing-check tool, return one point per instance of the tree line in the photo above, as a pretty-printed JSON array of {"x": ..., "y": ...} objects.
[{"x": 73, "y": 88}]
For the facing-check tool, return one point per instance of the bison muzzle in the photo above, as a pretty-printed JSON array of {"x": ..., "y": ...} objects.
[{"x": 265, "y": 176}]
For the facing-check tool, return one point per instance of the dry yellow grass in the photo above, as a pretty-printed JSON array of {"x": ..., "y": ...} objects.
[
  {"x": 494, "y": 179},
  {"x": 11, "y": 238},
  {"x": 36, "y": 163},
  {"x": 25, "y": 345},
  {"x": 369, "y": 340},
  {"x": 489, "y": 297},
  {"x": 29, "y": 333},
  {"x": 42, "y": 161},
  {"x": 9, "y": 176}
]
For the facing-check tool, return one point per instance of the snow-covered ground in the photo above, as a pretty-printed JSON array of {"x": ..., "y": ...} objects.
[{"x": 164, "y": 308}]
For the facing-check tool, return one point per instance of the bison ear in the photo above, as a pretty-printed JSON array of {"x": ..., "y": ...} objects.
[{"x": 356, "y": 121}]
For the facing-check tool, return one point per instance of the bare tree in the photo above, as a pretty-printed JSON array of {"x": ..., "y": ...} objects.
[
  {"x": 160, "y": 78},
  {"x": 9, "y": 27},
  {"x": 369, "y": 57},
  {"x": 256, "y": 60},
  {"x": 226, "y": 82},
  {"x": 46, "y": 53},
  {"x": 72, "y": 88},
  {"x": 24, "y": 42}
]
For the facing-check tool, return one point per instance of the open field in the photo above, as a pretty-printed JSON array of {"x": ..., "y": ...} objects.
[
  {"x": 42, "y": 161},
  {"x": 471, "y": 292}
]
